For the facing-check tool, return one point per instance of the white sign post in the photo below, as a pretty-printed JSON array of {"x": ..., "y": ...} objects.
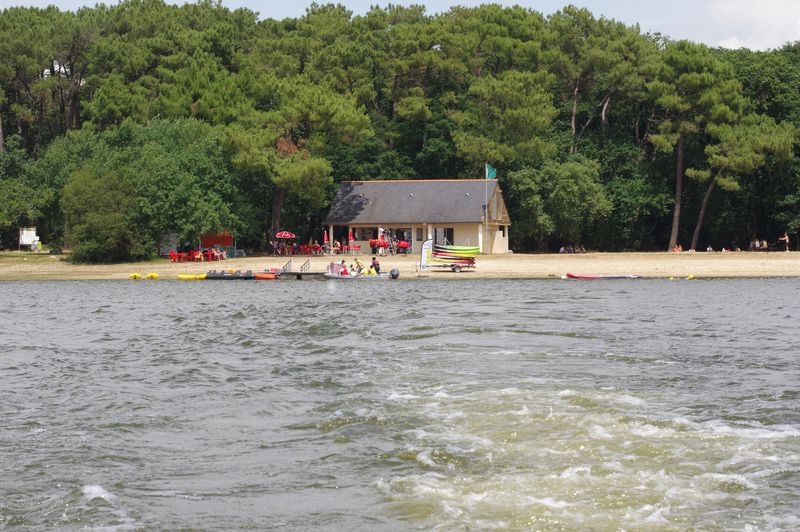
[{"x": 27, "y": 236}]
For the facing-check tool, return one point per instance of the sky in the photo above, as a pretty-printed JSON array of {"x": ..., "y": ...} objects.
[{"x": 754, "y": 24}]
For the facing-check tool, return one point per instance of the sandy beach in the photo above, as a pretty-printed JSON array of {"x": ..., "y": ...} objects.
[{"x": 31, "y": 266}]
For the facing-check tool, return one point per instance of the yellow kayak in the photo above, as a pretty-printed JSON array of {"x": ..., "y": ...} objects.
[{"x": 191, "y": 277}]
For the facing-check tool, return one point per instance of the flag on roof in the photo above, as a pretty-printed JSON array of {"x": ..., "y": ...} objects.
[{"x": 491, "y": 171}]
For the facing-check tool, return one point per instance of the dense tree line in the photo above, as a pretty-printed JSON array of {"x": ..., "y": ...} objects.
[{"x": 121, "y": 123}]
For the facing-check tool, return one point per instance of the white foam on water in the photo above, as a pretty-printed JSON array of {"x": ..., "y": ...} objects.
[
  {"x": 787, "y": 521},
  {"x": 684, "y": 422},
  {"x": 717, "y": 479},
  {"x": 424, "y": 457},
  {"x": 505, "y": 352},
  {"x": 401, "y": 397},
  {"x": 433, "y": 487},
  {"x": 766, "y": 473},
  {"x": 774, "y": 432},
  {"x": 458, "y": 439},
  {"x": 649, "y": 514},
  {"x": 646, "y": 430},
  {"x": 576, "y": 472},
  {"x": 93, "y": 491},
  {"x": 615, "y": 466},
  {"x": 451, "y": 509},
  {"x": 543, "y": 455},
  {"x": 551, "y": 503},
  {"x": 630, "y": 400},
  {"x": 599, "y": 433},
  {"x": 36, "y": 432}
]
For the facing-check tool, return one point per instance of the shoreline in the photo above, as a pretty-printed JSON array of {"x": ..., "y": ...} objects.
[{"x": 16, "y": 266}]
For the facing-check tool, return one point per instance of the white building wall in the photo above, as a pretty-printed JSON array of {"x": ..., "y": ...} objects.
[{"x": 464, "y": 234}]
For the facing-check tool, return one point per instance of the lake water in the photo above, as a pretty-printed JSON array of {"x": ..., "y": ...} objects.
[{"x": 426, "y": 405}]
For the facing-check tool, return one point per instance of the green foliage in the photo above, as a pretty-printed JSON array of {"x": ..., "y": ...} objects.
[
  {"x": 101, "y": 210},
  {"x": 743, "y": 148},
  {"x": 559, "y": 200},
  {"x": 503, "y": 119},
  {"x": 695, "y": 90},
  {"x": 174, "y": 179},
  {"x": 21, "y": 204}
]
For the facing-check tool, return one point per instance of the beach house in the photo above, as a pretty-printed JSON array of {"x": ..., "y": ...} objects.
[{"x": 461, "y": 212}]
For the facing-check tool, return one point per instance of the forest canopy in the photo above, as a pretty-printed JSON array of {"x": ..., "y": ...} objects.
[{"x": 121, "y": 123}]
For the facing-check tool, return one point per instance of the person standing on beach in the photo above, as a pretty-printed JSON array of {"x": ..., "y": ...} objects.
[{"x": 785, "y": 240}]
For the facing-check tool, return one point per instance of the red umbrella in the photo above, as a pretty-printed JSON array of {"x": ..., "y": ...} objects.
[
  {"x": 350, "y": 236},
  {"x": 285, "y": 234},
  {"x": 325, "y": 237}
]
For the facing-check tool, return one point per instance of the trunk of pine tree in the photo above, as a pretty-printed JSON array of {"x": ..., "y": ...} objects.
[
  {"x": 2, "y": 138},
  {"x": 676, "y": 213},
  {"x": 604, "y": 113},
  {"x": 574, "y": 147},
  {"x": 39, "y": 127},
  {"x": 702, "y": 215},
  {"x": 277, "y": 207},
  {"x": 73, "y": 109}
]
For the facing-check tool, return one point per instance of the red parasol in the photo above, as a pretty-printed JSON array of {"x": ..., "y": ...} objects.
[
  {"x": 285, "y": 234},
  {"x": 350, "y": 236},
  {"x": 325, "y": 237}
]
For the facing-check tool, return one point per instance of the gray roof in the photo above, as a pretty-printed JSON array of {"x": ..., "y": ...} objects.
[{"x": 392, "y": 202}]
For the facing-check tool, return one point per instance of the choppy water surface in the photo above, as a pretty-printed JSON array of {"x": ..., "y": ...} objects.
[{"x": 435, "y": 404}]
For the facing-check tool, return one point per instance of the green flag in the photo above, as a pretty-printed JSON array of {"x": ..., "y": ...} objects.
[{"x": 491, "y": 171}]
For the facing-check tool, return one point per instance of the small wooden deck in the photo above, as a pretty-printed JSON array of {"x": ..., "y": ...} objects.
[{"x": 305, "y": 271}]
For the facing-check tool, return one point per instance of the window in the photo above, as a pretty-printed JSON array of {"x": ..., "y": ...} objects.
[
  {"x": 419, "y": 234},
  {"x": 443, "y": 235},
  {"x": 503, "y": 230}
]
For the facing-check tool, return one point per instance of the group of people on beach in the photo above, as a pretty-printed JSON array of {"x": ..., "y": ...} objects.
[
  {"x": 359, "y": 268},
  {"x": 755, "y": 245},
  {"x": 570, "y": 249}
]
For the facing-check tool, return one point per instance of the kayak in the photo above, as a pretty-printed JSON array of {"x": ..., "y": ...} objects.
[
  {"x": 191, "y": 277},
  {"x": 453, "y": 256},
  {"x": 265, "y": 276},
  {"x": 449, "y": 251},
  {"x": 575, "y": 276},
  {"x": 462, "y": 262},
  {"x": 137, "y": 276},
  {"x": 230, "y": 275},
  {"x": 464, "y": 249}
]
